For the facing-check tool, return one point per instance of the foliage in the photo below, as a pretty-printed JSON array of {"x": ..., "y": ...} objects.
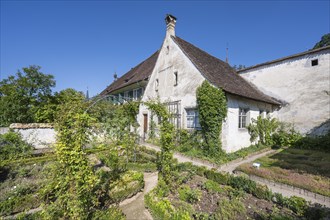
[
  {"x": 69, "y": 194},
  {"x": 166, "y": 139},
  {"x": 21, "y": 95},
  {"x": 262, "y": 129},
  {"x": 297, "y": 204},
  {"x": 112, "y": 213},
  {"x": 189, "y": 195},
  {"x": 212, "y": 186},
  {"x": 126, "y": 186},
  {"x": 161, "y": 208},
  {"x": 321, "y": 143},
  {"x": 212, "y": 108},
  {"x": 12, "y": 146},
  {"x": 325, "y": 41},
  {"x": 52, "y": 106},
  {"x": 286, "y": 135},
  {"x": 229, "y": 209}
]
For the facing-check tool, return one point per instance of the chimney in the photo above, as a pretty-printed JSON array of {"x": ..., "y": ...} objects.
[{"x": 170, "y": 25}]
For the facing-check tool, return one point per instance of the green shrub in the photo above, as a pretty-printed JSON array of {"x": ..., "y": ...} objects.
[
  {"x": 286, "y": 135},
  {"x": 12, "y": 146},
  {"x": 262, "y": 192},
  {"x": 240, "y": 182},
  {"x": 297, "y": 204},
  {"x": 112, "y": 213},
  {"x": 229, "y": 209},
  {"x": 217, "y": 177},
  {"x": 212, "y": 186},
  {"x": 189, "y": 195},
  {"x": 314, "y": 143},
  {"x": 160, "y": 208}
]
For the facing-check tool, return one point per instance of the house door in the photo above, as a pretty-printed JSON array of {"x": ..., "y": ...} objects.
[{"x": 145, "y": 125}]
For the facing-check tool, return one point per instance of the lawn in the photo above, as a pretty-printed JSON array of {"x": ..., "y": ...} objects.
[{"x": 306, "y": 169}]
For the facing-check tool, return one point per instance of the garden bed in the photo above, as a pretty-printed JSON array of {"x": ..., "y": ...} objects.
[{"x": 305, "y": 169}]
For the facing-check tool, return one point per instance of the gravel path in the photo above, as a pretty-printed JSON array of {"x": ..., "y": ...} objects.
[
  {"x": 231, "y": 166},
  {"x": 133, "y": 207}
]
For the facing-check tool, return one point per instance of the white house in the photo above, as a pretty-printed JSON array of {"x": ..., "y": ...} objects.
[
  {"x": 173, "y": 73},
  {"x": 302, "y": 81}
]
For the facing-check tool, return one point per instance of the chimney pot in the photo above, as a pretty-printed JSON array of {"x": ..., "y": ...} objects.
[{"x": 170, "y": 25}]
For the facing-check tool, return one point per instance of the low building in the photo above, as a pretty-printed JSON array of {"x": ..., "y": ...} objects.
[
  {"x": 173, "y": 74},
  {"x": 302, "y": 81}
]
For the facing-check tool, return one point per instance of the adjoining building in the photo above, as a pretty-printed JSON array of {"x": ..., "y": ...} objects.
[
  {"x": 302, "y": 81},
  {"x": 172, "y": 75}
]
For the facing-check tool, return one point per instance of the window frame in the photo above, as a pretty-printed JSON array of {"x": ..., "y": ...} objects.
[
  {"x": 242, "y": 118},
  {"x": 192, "y": 119}
]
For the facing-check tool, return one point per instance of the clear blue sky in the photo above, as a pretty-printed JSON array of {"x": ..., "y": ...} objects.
[{"x": 82, "y": 43}]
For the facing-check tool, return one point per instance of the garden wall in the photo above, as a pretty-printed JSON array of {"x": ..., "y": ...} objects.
[{"x": 39, "y": 135}]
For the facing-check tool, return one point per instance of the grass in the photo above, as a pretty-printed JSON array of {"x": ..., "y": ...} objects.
[{"x": 306, "y": 169}]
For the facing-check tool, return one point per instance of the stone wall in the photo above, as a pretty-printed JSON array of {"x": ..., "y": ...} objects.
[{"x": 39, "y": 135}]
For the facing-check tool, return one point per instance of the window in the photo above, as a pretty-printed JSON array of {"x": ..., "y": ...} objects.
[
  {"x": 156, "y": 84},
  {"x": 137, "y": 93},
  {"x": 315, "y": 62},
  {"x": 192, "y": 118},
  {"x": 242, "y": 115},
  {"x": 175, "y": 78}
]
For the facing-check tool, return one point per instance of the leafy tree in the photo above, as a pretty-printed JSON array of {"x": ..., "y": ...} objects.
[
  {"x": 22, "y": 94},
  {"x": 212, "y": 108},
  {"x": 48, "y": 110},
  {"x": 325, "y": 41}
]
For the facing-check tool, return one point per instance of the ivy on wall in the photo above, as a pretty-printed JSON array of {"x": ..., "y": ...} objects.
[{"x": 212, "y": 108}]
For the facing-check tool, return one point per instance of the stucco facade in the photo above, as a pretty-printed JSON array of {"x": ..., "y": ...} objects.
[
  {"x": 175, "y": 72},
  {"x": 176, "y": 78},
  {"x": 302, "y": 81}
]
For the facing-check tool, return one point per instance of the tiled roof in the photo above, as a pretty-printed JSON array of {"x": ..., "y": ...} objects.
[
  {"x": 221, "y": 74},
  {"x": 136, "y": 74}
]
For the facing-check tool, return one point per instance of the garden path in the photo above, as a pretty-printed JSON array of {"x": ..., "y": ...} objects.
[
  {"x": 231, "y": 166},
  {"x": 134, "y": 207}
]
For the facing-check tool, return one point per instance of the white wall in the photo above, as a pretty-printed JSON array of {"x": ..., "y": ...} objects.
[
  {"x": 169, "y": 61},
  {"x": 305, "y": 88},
  {"x": 189, "y": 78},
  {"x": 234, "y": 138}
]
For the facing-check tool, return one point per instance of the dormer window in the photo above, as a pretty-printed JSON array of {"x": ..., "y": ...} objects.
[{"x": 315, "y": 62}]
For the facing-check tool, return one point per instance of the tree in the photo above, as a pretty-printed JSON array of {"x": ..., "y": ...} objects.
[
  {"x": 325, "y": 41},
  {"x": 48, "y": 110},
  {"x": 22, "y": 94}
]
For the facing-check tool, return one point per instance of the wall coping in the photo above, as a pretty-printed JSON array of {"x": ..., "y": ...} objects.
[{"x": 31, "y": 125}]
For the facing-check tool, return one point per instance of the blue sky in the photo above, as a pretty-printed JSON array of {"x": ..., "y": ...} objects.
[{"x": 82, "y": 43}]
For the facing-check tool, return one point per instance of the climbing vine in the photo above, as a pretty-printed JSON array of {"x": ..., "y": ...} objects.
[
  {"x": 212, "y": 108},
  {"x": 69, "y": 194},
  {"x": 166, "y": 139}
]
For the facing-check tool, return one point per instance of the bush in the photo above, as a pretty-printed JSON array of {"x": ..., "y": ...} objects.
[
  {"x": 212, "y": 186},
  {"x": 217, "y": 177},
  {"x": 230, "y": 209},
  {"x": 112, "y": 213},
  {"x": 314, "y": 143},
  {"x": 189, "y": 195},
  {"x": 297, "y": 204},
  {"x": 12, "y": 146}
]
